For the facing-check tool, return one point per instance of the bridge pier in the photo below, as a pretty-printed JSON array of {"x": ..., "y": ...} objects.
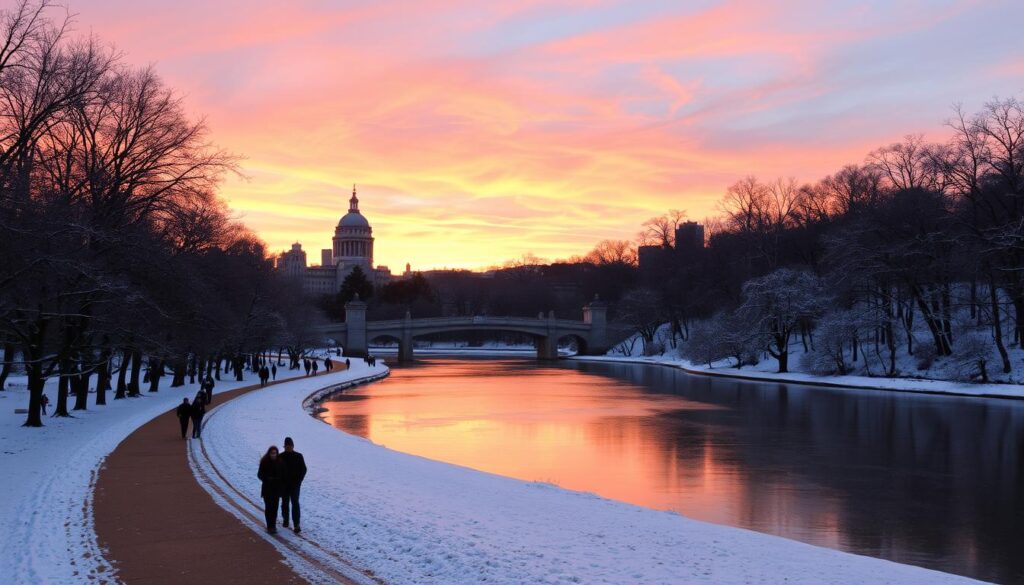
[
  {"x": 595, "y": 314},
  {"x": 547, "y": 348},
  {"x": 405, "y": 343},
  {"x": 356, "y": 344}
]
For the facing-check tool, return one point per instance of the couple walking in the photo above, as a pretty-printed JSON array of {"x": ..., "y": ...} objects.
[
  {"x": 194, "y": 412},
  {"x": 282, "y": 475}
]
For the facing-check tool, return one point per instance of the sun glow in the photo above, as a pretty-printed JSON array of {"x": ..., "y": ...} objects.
[{"x": 480, "y": 132}]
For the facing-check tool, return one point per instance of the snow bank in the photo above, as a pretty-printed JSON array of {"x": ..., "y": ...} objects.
[
  {"x": 46, "y": 526},
  {"x": 764, "y": 372},
  {"x": 413, "y": 520}
]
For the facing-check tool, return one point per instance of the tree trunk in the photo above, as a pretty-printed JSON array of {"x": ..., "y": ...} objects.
[
  {"x": 5, "y": 370},
  {"x": 180, "y": 370},
  {"x": 32, "y": 352},
  {"x": 80, "y": 385},
  {"x": 35, "y": 395},
  {"x": 997, "y": 326},
  {"x": 134, "y": 389},
  {"x": 103, "y": 377},
  {"x": 61, "y": 409},
  {"x": 122, "y": 373},
  {"x": 156, "y": 371}
]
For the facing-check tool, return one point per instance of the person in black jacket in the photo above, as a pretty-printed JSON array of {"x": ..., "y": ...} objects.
[
  {"x": 198, "y": 412},
  {"x": 208, "y": 388},
  {"x": 294, "y": 473},
  {"x": 184, "y": 412},
  {"x": 271, "y": 473}
]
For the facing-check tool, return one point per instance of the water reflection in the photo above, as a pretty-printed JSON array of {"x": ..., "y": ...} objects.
[{"x": 933, "y": 481}]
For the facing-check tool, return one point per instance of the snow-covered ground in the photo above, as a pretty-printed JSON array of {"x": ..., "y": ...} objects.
[
  {"x": 914, "y": 373},
  {"x": 46, "y": 527},
  {"x": 765, "y": 370},
  {"x": 413, "y": 520}
]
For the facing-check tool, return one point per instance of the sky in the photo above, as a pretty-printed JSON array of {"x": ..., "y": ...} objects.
[{"x": 478, "y": 131}]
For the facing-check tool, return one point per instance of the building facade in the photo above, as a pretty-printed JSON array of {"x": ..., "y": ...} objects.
[{"x": 351, "y": 246}]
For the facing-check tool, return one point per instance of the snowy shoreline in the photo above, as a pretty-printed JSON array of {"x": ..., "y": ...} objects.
[
  {"x": 904, "y": 385},
  {"x": 408, "y": 519}
]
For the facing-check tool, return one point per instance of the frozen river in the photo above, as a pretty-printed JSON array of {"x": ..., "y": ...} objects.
[{"x": 931, "y": 481}]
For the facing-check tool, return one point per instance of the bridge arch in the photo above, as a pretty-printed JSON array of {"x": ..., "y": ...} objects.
[{"x": 589, "y": 335}]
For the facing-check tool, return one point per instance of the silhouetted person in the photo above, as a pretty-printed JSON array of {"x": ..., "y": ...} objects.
[
  {"x": 44, "y": 401},
  {"x": 273, "y": 372},
  {"x": 294, "y": 473},
  {"x": 264, "y": 375},
  {"x": 271, "y": 473},
  {"x": 315, "y": 366},
  {"x": 348, "y": 363},
  {"x": 307, "y": 366},
  {"x": 328, "y": 364},
  {"x": 208, "y": 389},
  {"x": 198, "y": 412},
  {"x": 184, "y": 413}
]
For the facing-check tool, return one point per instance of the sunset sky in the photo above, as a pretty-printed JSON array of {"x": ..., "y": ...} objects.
[{"x": 478, "y": 131}]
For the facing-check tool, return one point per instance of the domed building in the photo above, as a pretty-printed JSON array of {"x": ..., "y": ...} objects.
[{"x": 352, "y": 246}]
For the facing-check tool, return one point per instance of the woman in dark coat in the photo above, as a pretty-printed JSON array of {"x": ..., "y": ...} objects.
[{"x": 271, "y": 473}]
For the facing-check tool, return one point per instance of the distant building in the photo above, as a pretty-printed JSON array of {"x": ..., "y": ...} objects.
[
  {"x": 650, "y": 256},
  {"x": 689, "y": 238},
  {"x": 688, "y": 246},
  {"x": 352, "y": 246}
]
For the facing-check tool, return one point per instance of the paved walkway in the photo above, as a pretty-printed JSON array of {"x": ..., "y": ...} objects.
[{"x": 158, "y": 525}]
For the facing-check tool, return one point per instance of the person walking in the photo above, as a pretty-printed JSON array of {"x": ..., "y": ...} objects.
[
  {"x": 184, "y": 413},
  {"x": 294, "y": 473},
  {"x": 328, "y": 364},
  {"x": 271, "y": 473},
  {"x": 264, "y": 376},
  {"x": 198, "y": 412},
  {"x": 208, "y": 389},
  {"x": 44, "y": 401},
  {"x": 305, "y": 364},
  {"x": 273, "y": 372},
  {"x": 348, "y": 363},
  {"x": 315, "y": 366}
]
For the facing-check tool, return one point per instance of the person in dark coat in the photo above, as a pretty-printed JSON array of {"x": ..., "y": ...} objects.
[
  {"x": 184, "y": 413},
  {"x": 328, "y": 364},
  {"x": 44, "y": 401},
  {"x": 348, "y": 363},
  {"x": 273, "y": 372},
  {"x": 271, "y": 473},
  {"x": 264, "y": 375},
  {"x": 208, "y": 388},
  {"x": 294, "y": 473},
  {"x": 198, "y": 412},
  {"x": 314, "y": 365},
  {"x": 306, "y": 365}
]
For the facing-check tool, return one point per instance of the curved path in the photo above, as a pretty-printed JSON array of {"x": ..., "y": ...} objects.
[{"x": 158, "y": 525}]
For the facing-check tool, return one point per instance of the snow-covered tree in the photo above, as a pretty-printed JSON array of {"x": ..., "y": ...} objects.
[{"x": 775, "y": 305}]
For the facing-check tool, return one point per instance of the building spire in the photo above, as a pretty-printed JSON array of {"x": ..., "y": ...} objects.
[{"x": 353, "y": 203}]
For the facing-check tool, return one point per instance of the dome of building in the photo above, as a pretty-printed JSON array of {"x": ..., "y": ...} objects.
[{"x": 353, "y": 219}]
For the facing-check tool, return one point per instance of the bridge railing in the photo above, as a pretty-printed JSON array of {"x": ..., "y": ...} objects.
[{"x": 475, "y": 320}]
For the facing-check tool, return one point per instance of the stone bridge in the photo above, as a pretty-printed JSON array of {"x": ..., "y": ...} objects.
[{"x": 356, "y": 333}]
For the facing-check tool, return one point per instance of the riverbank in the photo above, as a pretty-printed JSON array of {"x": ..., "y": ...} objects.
[
  {"x": 914, "y": 385},
  {"x": 407, "y": 519}
]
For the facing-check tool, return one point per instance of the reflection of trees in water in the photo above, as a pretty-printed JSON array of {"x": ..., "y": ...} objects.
[{"x": 923, "y": 479}]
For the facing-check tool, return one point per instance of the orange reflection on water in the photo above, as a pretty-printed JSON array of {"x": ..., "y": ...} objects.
[{"x": 576, "y": 430}]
